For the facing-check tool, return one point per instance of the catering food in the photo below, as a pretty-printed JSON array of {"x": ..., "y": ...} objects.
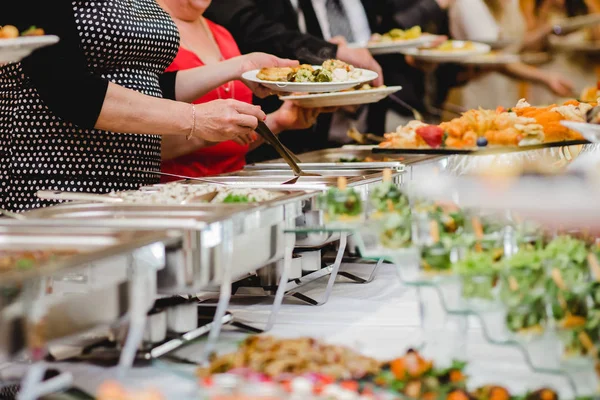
[
  {"x": 417, "y": 378},
  {"x": 28, "y": 259},
  {"x": 112, "y": 390},
  {"x": 341, "y": 203},
  {"x": 177, "y": 193},
  {"x": 451, "y": 46},
  {"x": 11, "y": 32},
  {"x": 397, "y": 34},
  {"x": 520, "y": 126},
  {"x": 329, "y": 71},
  {"x": 275, "y": 357}
]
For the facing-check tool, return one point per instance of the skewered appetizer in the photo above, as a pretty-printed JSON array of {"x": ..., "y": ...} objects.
[
  {"x": 387, "y": 197},
  {"x": 342, "y": 203}
]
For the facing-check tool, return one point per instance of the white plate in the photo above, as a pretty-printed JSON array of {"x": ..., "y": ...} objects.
[
  {"x": 457, "y": 56},
  {"x": 341, "y": 99},
  {"x": 492, "y": 59},
  {"x": 590, "y": 132},
  {"x": 312, "y": 87},
  {"x": 14, "y": 50},
  {"x": 378, "y": 48}
]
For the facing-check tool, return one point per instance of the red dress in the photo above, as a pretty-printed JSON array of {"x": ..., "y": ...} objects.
[{"x": 223, "y": 157}]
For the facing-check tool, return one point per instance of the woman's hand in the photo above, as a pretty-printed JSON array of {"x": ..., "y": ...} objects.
[
  {"x": 558, "y": 84},
  {"x": 252, "y": 61},
  {"x": 291, "y": 117},
  {"x": 222, "y": 120}
]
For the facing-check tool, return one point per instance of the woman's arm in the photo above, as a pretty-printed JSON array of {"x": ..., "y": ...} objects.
[
  {"x": 555, "y": 82},
  {"x": 191, "y": 84},
  {"x": 288, "y": 117}
]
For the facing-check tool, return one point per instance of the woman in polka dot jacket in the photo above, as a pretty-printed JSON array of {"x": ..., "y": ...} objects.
[{"x": 88, "y": 113}]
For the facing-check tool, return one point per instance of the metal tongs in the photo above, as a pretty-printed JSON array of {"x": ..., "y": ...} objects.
[{"x": 289, "y": 157}]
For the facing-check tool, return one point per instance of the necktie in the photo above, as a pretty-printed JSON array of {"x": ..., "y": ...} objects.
[{"x": 339, "y": 24}]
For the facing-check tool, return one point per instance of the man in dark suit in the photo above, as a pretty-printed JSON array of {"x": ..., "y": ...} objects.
[{"x": 301, "y": 29}]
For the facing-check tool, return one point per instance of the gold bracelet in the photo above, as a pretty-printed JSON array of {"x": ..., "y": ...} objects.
[{"x": 193, "y": 130}]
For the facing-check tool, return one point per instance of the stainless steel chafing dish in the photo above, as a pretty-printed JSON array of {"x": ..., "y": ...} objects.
[
  {"x": 243, "y": 236},
  {"x": 64, "y": 291},
  {"x": 361, "y": 180},
  {"x": 331, "y": 158}
]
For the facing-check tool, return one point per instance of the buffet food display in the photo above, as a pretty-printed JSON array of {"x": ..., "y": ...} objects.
[
  {"x": 522, "y": 125},
  {"x": 533, "y": 289}
]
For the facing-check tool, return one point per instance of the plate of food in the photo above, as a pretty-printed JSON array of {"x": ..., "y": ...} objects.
[
  {"x": 331, "y": 76},
  {"x": 15, "y": 45},
  {"x": 363, "y": 94},
  {"x": 449, "y": 51},
  {"x": 493, "y": 59},
  {"x": 396, "y": 39}
]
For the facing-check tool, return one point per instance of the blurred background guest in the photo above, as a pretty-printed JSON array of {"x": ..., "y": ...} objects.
[
  {"x": 495, "y": 21},
  {"x": 540, "y": 16}
]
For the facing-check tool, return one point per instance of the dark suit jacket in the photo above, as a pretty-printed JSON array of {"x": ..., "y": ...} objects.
[{"x": 271, "y": 26}]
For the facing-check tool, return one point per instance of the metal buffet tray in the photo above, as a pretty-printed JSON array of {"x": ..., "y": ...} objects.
[
  {"x": 329, "y": 158},
  {"x": 256, "y": 233},
  {"x": 96, "y": 274},
  {"x": 275, "y": 179}
]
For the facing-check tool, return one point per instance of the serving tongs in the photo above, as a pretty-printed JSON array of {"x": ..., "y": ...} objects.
[{"x": 289, "y": 157}]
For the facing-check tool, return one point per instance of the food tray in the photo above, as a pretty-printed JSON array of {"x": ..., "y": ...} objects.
[
  {"x": 480, "y": 151},
  {"x": 93, "y": 243},
  {"x": 332, "y": 157},
  {"x": 328, "y": 166},
  {"x": 93, "y": 276},
  {"x": 255, "y": 234},
  {"x": 304, "y": 183},
  {"x": 324, "y": 172}
]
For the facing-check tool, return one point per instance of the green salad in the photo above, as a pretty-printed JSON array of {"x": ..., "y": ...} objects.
[
  {"x": 238, "y": 198},
  {"x": 396, "y": 231},
  {"x": 479, "y": 272},
  {"x": 341, "y": 203},
  {"x": 387, "y": 197}
]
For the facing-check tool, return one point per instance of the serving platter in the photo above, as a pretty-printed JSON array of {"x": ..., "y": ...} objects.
[
  {"x": 14, "y": 50},
  {"x": 458, "y": 55},
  {"x": 393, "y": 47},
  {"x": 480, "y": 151},
  {"x": 312, "y": 87},
  {"x": 341, "y": 99}
]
